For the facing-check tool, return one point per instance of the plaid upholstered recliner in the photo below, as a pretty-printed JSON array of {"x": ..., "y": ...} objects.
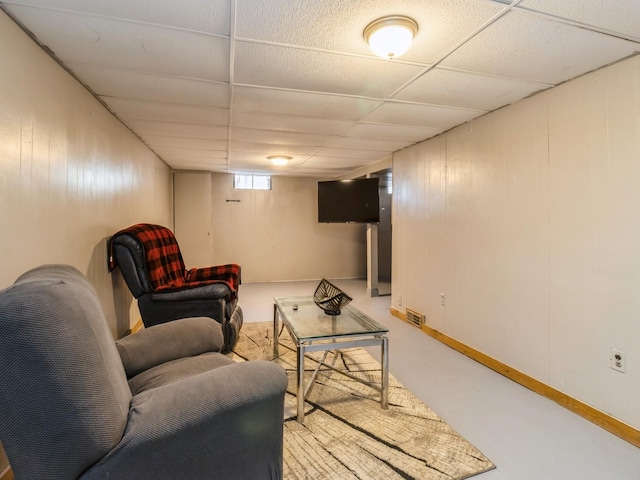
[{"x": 151, "y": 263}]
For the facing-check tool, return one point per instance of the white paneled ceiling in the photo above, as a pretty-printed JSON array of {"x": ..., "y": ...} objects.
[{"x": 219, "y": 85}]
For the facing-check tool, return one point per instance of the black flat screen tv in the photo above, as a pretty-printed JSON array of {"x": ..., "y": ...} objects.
[{"x": 349, "y": 201}]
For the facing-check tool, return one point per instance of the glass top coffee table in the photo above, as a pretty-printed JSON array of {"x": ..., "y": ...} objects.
[{"x": 312, "y": 330}]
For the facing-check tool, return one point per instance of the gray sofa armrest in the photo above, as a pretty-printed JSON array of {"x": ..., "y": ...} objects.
[
  {"x": 223, "y": 424},
  {"x": 169, "y": 341}
]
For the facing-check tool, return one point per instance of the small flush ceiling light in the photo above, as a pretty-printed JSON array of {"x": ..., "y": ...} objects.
[
  {"x": 279, "y": 160},
  {"x": 389, "y": 37}
]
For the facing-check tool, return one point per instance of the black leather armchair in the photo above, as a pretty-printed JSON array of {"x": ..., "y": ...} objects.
[{"x": 151, "y": 263}]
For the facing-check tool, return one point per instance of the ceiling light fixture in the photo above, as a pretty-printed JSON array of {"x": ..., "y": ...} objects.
[
  {"x": 279, "y": 160},
  {"x": 389, "y": 37}
]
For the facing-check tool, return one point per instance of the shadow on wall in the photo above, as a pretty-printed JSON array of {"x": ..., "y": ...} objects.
[{"x": 115, "y": 297}]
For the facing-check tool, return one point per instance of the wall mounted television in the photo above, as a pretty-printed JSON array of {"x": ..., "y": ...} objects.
[{"x": 349, "y": 201}]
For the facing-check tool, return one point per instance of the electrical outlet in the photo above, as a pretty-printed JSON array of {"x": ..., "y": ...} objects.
[
  {"x": 443, "y": 300},
  {"x": 400, "y": 301},
  {"x": 618, "y": 360}
]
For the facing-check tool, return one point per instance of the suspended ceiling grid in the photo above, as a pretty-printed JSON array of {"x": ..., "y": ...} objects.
[{"x": 219, "y": 85}]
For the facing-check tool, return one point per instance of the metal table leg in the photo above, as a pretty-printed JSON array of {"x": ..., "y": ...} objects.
[
  {"x": 300, "y": 396},
  {"x": 275, "y": 332},
  {"x": 384, "y": 360}
]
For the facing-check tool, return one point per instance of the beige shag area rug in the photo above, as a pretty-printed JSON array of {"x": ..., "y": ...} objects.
[{"x": 347, "y": 436}]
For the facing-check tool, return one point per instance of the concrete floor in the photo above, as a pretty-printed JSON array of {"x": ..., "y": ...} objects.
[{"x": 527, "y": 436}]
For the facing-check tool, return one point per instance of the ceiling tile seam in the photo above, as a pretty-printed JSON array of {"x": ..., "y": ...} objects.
[
  {"x": 313, "y": 92},
  {"x": 381, "y": 101},
  {"x": 189, "y": 149},
  {"x": 188, "y": 152},
  {"x": 116, "y": 19},
  {"x": 187, "y": 137},
  {"x": 289, "y": 115},
  {"x": 145, "y": 72},
  {"x": 328, "y": 145},
  {"x": 495, "y": 18},
  {"x": 164, "y": 103},
  {"x": 331, "y": 141},
  {"x": 354, "y": 123},
  {"x": 233, "y": 6},
  {"x": 329, "y": 51},
  {"x": 575, "y": 23},
  {"x": 394, "y": 101},
  {"x": 309, "y": 157},
  {"x": 496, "y": 77},
  {"x": 285, "y": 145},
  {"x": 185, "y": 124},
  {"x": 387, "y": 124},
  {"x": 194, "y": 149}
]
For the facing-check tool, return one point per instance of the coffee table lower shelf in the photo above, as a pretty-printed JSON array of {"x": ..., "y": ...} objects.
[{"x": 327, "y": 344}]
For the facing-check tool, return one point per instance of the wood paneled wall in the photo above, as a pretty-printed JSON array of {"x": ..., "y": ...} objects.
[
  {"x": 526, "y": 220},
  {"x": 71, "y": 175},
  {"x": 274, "y": 234}
]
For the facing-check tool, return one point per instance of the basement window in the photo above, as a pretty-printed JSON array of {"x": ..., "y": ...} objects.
[{"x": 252, "y": 182}]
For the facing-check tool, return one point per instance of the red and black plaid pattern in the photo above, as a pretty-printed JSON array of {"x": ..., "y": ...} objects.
[
  {"x": 166, "y": 266},
  {"x": 162, "y": 255},
  {"x": 229, "y": 274}
]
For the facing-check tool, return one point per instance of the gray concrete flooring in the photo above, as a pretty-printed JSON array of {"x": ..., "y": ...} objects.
[{"x": 527, "y": 436}]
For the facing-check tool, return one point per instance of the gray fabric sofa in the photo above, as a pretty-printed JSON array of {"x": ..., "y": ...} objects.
[{"x": 160, "y": 404}]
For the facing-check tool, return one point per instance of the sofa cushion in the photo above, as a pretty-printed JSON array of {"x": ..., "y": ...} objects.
[{"x": 176, "y": 370}]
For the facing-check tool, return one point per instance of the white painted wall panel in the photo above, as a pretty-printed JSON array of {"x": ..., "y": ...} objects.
[
  {"x": 275, "y": 235},
  {"x": 538, "y": 234},
  {"x": 71, "y": 175},
  {"x": 594, "y": 140},
  {"x": 192, "y": 207}
]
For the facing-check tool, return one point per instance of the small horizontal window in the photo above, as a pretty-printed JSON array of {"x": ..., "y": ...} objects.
[{"x": 252, "y": 182}]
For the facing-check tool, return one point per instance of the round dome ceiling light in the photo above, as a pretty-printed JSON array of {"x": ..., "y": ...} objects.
[
  {"x": 389, "y": 37},
  {"x": 279, "y": 160}
]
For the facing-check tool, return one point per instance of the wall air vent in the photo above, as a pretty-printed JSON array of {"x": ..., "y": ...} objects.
[{"x": 415, "y": 318}]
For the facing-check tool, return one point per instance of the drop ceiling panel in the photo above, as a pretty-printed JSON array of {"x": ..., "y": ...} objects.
[
  {"x": 431, "y": 116},
  {"x": 256, "y": 159},
  {"x": 468, "y": 90},
  {"x": 290, "y": 123},
  {"x": 303, "y": 82},
  {"x": 391, "y": 132},
  {"x": 526, "y": 47},
  {"x": 128, "y": 109},
  {"x": 369, "y": 144},
  {"x": 260, "y": 166},
  {"x": 210, "y": 16},
  {"x": 338, "y": 25},
  {"x": 347, "y": 153},
  {"x": 157, "y": 141},
  {"x": 185, "y": 154},
  {"x": 302, "y": 103},
  {"x": 271, "y": 149},
  {"x": 134, "y": 46},
  {"x": 209, "y": 165},
  {"x": 320, "y": 173},
  {"x": 292, "y": 68},
  {"x": 279, "y": 138},
  {"x": 320, "y": 161},
  {"x": 621, "y": 16},
  {"x": 147, "y": 86},
  {"x": 264, "y": 169},
  {"x": 171, "y": 129}
]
